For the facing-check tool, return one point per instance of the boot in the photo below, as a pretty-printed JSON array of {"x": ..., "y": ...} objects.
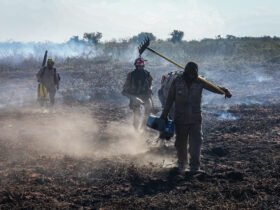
[{"x": 196, "y": 170}]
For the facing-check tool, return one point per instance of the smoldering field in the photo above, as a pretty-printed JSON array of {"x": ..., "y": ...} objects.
[{"x": 84, "y": 153}]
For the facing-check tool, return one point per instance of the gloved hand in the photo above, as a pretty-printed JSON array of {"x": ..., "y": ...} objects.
[
  {"x": 227, "y": 92},
  {"x": 57, "y": 87}
]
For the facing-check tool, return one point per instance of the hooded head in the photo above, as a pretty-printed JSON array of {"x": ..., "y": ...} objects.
[
  {"x": 50, "y": 63},
  {"x": 190, "y": 72}
]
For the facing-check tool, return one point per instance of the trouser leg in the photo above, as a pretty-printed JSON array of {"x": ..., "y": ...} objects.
[
  {"x": 195, "y": 141},
  {"x": 136, "y": 117},
  {"x": 161, "y": 97},
  {"x": 182, "y": 132},
  {"x": 136, "y": 114},
  {"x": 147, "y": 112},
  {"x": 52, "y": 95}
]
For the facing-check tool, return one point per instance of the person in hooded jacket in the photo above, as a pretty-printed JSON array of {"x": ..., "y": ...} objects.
[{"x": 186, "y": 93}]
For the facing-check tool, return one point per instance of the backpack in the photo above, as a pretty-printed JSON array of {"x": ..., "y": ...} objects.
[{"x": 167, "y": 80}]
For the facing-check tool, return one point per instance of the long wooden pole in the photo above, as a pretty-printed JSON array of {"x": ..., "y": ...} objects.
[{"x": 181, "y": 67}]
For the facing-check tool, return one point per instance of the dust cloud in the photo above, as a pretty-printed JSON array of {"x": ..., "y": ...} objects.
[
  {"x": 71, "y": 131},
  {"x": 62, "y": 131},
  {"x": 122, "y": 138}
]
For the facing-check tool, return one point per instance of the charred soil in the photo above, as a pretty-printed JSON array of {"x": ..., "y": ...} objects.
[{"x": 241, "y": 159}]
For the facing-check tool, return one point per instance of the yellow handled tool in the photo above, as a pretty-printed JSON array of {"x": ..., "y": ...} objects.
[
  {"x": 42, "y": 93},
  {"x": 145, "y": 45}
]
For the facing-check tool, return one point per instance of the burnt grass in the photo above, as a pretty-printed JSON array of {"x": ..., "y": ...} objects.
[{"x": 241, "y": 159}]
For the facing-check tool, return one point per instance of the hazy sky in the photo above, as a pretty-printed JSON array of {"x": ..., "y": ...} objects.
[{"x": 58, "y": 20}]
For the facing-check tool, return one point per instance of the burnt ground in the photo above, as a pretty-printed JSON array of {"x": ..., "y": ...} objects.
[
  {"x": 241, "y": 159},
  {"x": 85, "y": 155}
]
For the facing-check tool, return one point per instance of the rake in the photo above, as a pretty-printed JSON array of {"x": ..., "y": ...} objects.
[{"x": 145, "y": 45}]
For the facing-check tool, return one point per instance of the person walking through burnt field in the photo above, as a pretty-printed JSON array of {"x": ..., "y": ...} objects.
[
  {"x": 186, "y": 92},
  {"x": 138, "y": 88},
  {"x": 49, "y": 81}
]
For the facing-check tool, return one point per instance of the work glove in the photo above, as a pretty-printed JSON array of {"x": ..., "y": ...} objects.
[
  {"x": 162, "y": 116},
  {"x": 227, "y": 92}
]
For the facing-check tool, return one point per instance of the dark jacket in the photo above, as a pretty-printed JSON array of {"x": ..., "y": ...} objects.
[
  {"x": 138, "y": 83},
  {"x": 49, "y": 78},
  {"x": 187, "y": 100}
]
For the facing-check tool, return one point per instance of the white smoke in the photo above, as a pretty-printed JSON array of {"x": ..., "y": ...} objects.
[
  {"x": 17, "y": 93},
  {"x": 262, "y": 77},
  {"x": 17, "y": 52}
]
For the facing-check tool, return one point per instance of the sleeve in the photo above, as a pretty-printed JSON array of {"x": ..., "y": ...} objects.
[
  {"x": 127, "y": 84},
  {"x": 150, "y": 80},
  {"x": 210, "y": 88},
  {"x": 170, "y": 99},
  {"x": 56, "y": 77}
]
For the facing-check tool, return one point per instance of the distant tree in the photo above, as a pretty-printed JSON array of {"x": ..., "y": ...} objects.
[
  {"x": 93, "y": 38},
  {"x": 176, "y": 36},
  {"x": 266, "y": 38},
  {"x": 218, "y": 37},
  {"x": 75, "y": 39},
  {"x": 276, "y": 38},
  {"x": 230, "y": 37},
  {"x": 141, "y": 36}
]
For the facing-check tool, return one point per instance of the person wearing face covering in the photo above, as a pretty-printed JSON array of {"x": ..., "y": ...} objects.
[{"x": 186, "y": 93}]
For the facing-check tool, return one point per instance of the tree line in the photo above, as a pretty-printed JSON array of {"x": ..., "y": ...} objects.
[
  {"x": 95, "y": 37},
  {"x": 228, "y": 48},
  {"x": 175, "y": 37}
]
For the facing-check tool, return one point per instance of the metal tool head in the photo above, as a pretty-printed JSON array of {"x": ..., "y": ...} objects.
[{"x": 144, "y": 45}]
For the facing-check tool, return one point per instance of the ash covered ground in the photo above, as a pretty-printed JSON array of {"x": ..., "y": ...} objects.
[{"x": 84, "y": 153}]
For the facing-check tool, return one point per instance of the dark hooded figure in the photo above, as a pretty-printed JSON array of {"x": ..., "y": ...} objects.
[
  {"x": 186, "y": 93},
  {"x": 49, "y": 78}
]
